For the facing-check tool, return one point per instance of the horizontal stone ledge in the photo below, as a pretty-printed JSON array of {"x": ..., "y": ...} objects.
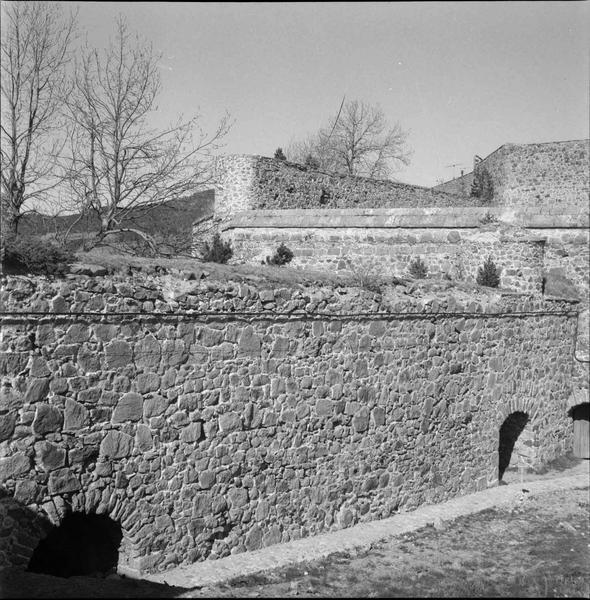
[
  {"x": 390, "y": 218},
  {"x": 425, "y": 311}
]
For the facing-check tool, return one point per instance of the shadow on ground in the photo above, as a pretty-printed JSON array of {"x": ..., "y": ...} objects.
[{"x": 18, "y": 583}]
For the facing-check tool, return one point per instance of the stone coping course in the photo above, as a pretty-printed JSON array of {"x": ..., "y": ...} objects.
[{"x": 445, "y": 218}]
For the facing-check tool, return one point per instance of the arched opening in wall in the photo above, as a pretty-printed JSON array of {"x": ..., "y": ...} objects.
[
  {"x": 510, "y": 429},
  {"x": 580, "y": 415},
  {"x": 83, "y": 544}
]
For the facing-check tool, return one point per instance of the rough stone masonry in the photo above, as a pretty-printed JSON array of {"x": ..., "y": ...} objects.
[{"x": 213, "y": 418}]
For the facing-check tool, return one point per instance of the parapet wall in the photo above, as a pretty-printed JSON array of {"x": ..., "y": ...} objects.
[
  {"x": 553, "y": 175},
  {"x": 550, "y": 175},
  {"x": 212, "y": 418},
  {"x": 453, "y": 242},
  {"x": 257, "y": 182}
]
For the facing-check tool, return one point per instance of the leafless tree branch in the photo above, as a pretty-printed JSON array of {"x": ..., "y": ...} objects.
[
  {"x": 119, "y": 163},
  {"x": 35, "y": 51},
  {"x": 359, "y": 141}
]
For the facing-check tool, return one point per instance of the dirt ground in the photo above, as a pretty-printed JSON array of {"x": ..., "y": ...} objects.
[{"x": 535, "y": 547}]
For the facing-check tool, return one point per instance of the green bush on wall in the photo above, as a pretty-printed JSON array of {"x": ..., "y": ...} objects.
[
  {"x": 482, "y": 186},
  {"x": 418, "y": 268},
  {"x": 279, "y": 154},
  {"x": 36, "y": 256},
  {"x": 489, "y": 274},
  {"x": 282, "y": 256},
  {"x": 217, "y": 251}
]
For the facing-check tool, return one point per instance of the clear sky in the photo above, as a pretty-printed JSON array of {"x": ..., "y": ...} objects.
[{"x": 463, "y": 77}]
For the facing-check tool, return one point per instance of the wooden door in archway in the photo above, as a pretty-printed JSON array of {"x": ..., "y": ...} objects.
[{"x": 581, "y": 417}]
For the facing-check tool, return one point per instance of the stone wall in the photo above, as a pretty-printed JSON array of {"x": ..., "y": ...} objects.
[
  {"x": 460, "y": 186},
  {"x": 258, "y": 182},
  {"x": 213, "y": 418},
  {"x": 457, "y": 254},
  {"x": 549, "y": 175},
  {"x": 554, "y": 174},
  {"x": 568, "y": 250},
  {"x": 234, "y": 177},
  {"x": 454, "y": 242}
]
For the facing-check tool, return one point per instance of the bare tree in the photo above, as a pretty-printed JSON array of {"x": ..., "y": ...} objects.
[
  {"x": 35, "y": 51},
  {"x": 357, "y": 141},
  {"x": 120, "y": 166}
]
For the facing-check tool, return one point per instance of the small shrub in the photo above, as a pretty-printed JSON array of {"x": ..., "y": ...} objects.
[
  {"x": 482, "y": 186},
  {"x": 418, "y": 269},
  {"x": 311, "y": 162},
  {"x": 489, "y": 274},
  {"x": 217, "y": 251},
  {"x": 279, "y": 154},
  {"x": 488, "y": 218},
  {"x": 324, "y": 197},
  {"x": 282, "y": 256},
  {"x": 36, "y": 256},
  {"x": 373, "y": 284}
]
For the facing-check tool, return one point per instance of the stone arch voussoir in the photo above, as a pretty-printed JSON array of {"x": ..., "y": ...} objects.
[
  {"x": 527, "y": 437},
  {"x": 525, "y": 404},
  {"x": 35, "y": 525}
]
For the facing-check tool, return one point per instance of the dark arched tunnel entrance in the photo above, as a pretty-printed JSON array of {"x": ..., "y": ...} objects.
[
  {"x": 83, "y": 544},
  {"x": 509, "y": 432}
]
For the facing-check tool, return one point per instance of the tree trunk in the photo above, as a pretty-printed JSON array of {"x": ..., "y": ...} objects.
[{"x": 9, "y": 221}]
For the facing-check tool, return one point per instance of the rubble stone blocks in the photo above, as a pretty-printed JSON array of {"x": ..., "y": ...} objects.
[
  {"x": 537, "y": 219},
  {"x": 48, "y": 419},
  {"x": 227, "y": 416},
  {"x": 319, "y": 407},
  {"x": 129, "y": 408},
  {"x": 116, "y": 445}
]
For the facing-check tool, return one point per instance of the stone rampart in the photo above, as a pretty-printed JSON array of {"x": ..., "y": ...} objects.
[
  {"x": 257, "y": 182},
  {"x": 453, "y": 242},
  {"x": 381, "y": 253},
  {"x": 553, "y": 175},
  {"x": 214, "y": 418}
]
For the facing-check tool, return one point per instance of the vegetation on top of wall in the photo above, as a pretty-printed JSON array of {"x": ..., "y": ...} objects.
[
  {"x": 35, "y": 256},
  {"x": 418, "y": 268},
  {"x": 279, "y": 154},
  {"x": 311, "y": 162},
  {"x": 489, "y": 274},
  {"x": 282, "y": 256},
  {"x": 482, "y": 186},
  {"x": 488, "y": 218},
  {"x": 217, "y": 251}
]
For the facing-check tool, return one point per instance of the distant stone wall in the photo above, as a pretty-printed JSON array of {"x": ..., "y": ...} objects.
[
  {"x": 460, "y": 186},
  {"x": 568, "y": 250},
  {"x": 374, "y": 253},
  {"x": 552, "y": 175},
  {"x": 453, "y": 242},
  {"x": 234, "y": 177},
  {"x": 258, "y": 182},
  {"x": 212, "y": 418}
]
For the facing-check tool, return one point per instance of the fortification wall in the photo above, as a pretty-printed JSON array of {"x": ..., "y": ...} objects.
[
  {"x": 460, "y": 186},
  {"x": 211, "y": 418},
  {"x": 554, "y": 174},
  {"x": 549, "y": 175},
  {"x": 568, "y": 251},
  {"x": 456, "y": 254},
  {"x": 258, "y": 182},
  {"x": 234, "y": 177},
  {"x": 453, "y": 242}
]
